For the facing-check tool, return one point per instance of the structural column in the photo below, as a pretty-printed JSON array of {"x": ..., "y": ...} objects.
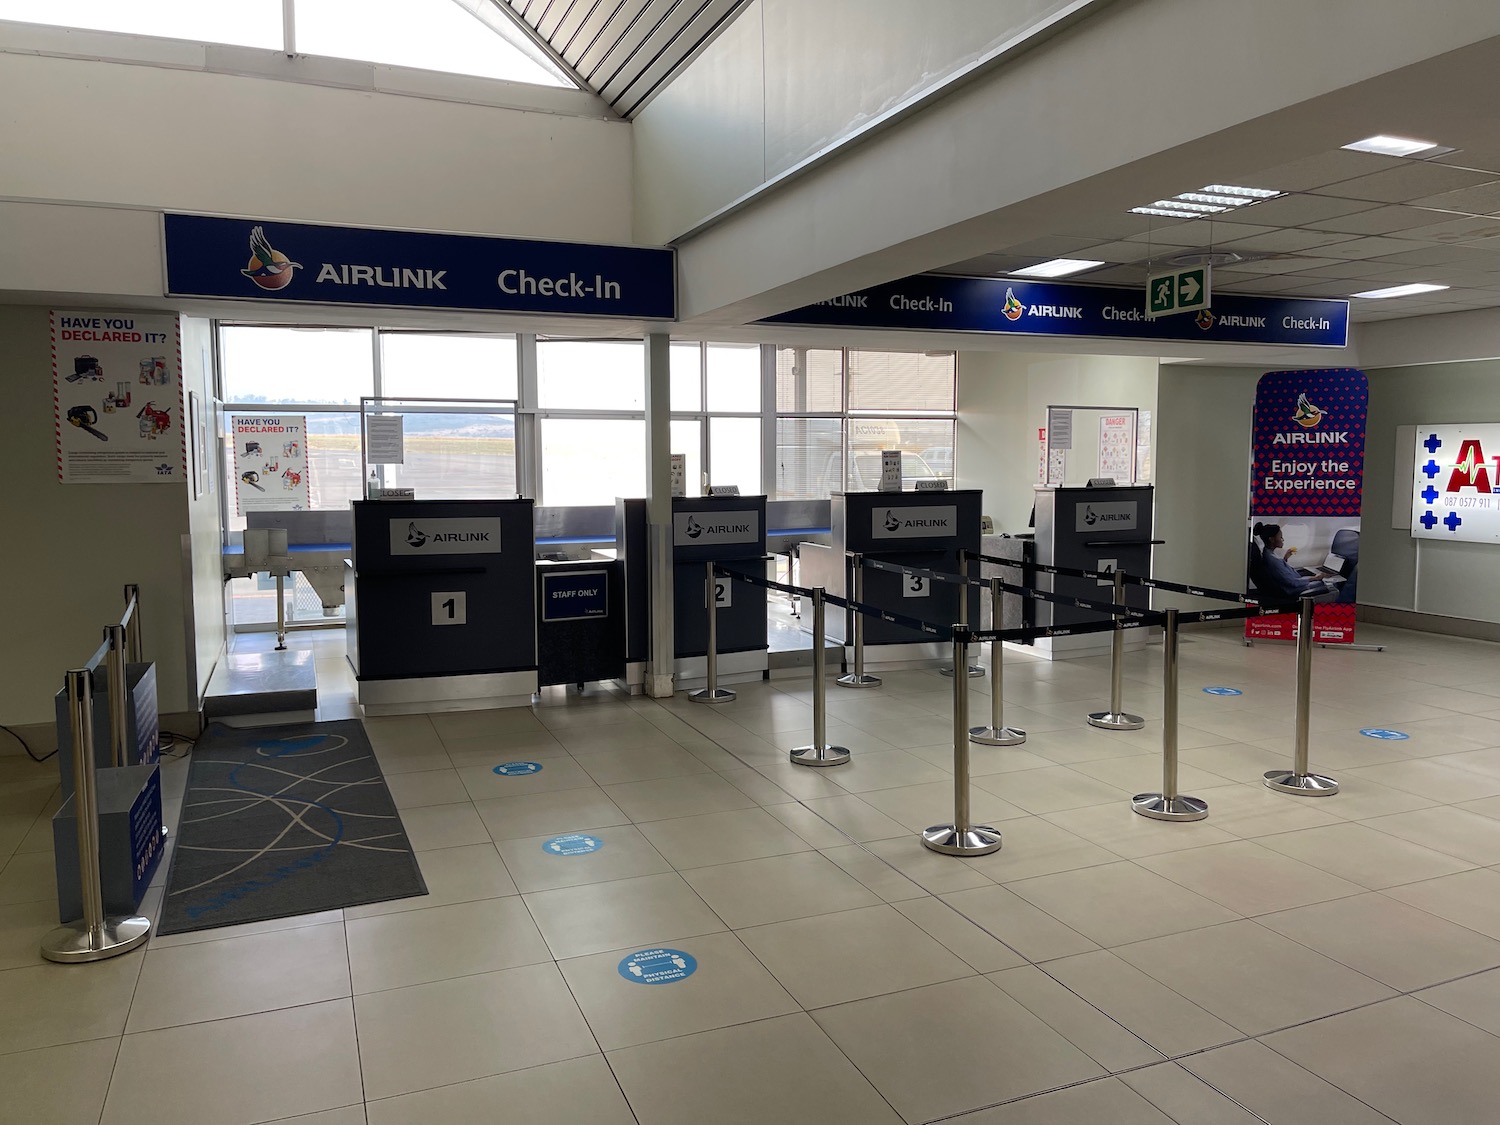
[{"x": 659, "y": 510}]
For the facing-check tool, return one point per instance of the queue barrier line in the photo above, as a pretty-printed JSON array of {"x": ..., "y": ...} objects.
[
  {"x": 941, "y": 632},
  {"x": 1010, "y": 588},
  {"x": 1134, "y": 579}
]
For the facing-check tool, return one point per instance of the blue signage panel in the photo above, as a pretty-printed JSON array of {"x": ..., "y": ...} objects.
[
  {"x": 933, "y": 302},
  {"x": 658, "y": 966},
  {"x": 248, "y": 259},
  {"x": 572, "y": 595},
  {"x": 574, "y": 843}
]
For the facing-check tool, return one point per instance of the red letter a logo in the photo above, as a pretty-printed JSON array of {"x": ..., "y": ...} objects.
[{"x": 1469, "y": 471}]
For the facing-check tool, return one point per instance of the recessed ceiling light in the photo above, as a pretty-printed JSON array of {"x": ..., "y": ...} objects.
[
  {"x": 1057, "y": 267},
  {"x": 1214, "y": 197},
  {"x": 1163, "y": 212},
  {"x": 1247, "y": 192},
  {"x": 1181, "y": 205},
  {"x": 1400, "y": 291},
  {"x": 1384, "y": 145}
]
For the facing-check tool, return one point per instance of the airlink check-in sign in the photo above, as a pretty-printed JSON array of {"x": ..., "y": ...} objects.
[
  {"x": 1117, "y": 515},
  {"x": 917, "y": 521},
  {"x": 705, "y": 529},
  {"x": 445, "y": 537}
]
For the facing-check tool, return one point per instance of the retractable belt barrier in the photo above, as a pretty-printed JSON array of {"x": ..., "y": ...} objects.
[
  {"x": 1133, "y": 579},
  {"x": 1009, "y": 588},
  {"x": 941, "y": 632}
]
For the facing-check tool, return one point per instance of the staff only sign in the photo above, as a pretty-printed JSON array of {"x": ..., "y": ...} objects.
[
  {"x": 1456, "y": 485},
  {"x": 1306, "y": 486}
]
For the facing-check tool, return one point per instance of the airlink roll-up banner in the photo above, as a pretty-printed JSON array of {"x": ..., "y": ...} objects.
[{"x": 1306, "y": 483}]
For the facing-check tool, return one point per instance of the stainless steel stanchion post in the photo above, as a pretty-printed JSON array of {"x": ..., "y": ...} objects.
[
  {"x": 712, "y": 693},
  {"x": 119, "y": 693},
  {"x": 94, "y": 937},
  {"x": 135, "y": 650},
  {"x": 1298, "y": 781},
  {"x": 1169, "y": 804},
  {"x": 997, "y": 733},
  {"x": 963, "y": 612},
  {"x": 280, "y": 613},
  {"x": 857, "y": 678},
  {"x": 1116, "y": 718},
  {"x": 819, "y": 753},
  {"x": 962, "y": 837}
]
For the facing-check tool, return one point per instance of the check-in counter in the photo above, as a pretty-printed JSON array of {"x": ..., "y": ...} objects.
[
  {"x": 718, "y": 529},
  {"x": 441, "y": 603},
  {"x": 580, "y": 632},
  {"x": 1102, "y": 529}
]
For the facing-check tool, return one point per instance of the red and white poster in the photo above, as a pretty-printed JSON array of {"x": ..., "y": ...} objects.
[{"x": 1306, "y": 487}]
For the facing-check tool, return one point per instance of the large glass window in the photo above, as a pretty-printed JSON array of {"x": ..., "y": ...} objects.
[
  {"x": 246, "y": 23},
  {"x": 809, "y": 381},
  {"x": 734, "y": 453},
  {"x": 451, "y": 452},
  {"x": 333, "y": 366},
  {"x": 591, "y": 375},
  {"x": 908, "y": 382},
  {"x": 687, "y": 378},
  {"x": 687, "y": 439},
  {"x": 733, "y": 378},
  {"x": 809, "y": 456},
  {"x": 592, "y": 460},
  {"x": 418, "y": 365}
]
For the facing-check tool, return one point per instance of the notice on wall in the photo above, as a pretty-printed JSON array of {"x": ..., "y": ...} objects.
[
  {"x": 270, "y": 462},
  {"x": 1116, "y": 447},
  {"x": 385, "y": 439},
  {"x": 1456, "y": 483},
  {"x": 1059, "y": 427},
  {"x": 1143, "y": 447},
  {"x": 679, "y": 474},
  {"x": 1306, "y": 486},
  {"x": 117, "y": 398}
]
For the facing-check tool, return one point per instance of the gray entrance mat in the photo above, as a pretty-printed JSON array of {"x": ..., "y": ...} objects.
[{"x": 285, "y": 820}]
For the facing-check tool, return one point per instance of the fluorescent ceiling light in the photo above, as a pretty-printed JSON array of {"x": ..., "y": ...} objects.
[
  {"x": 1197, "y": 208},
  {"x": 1057, "y": 267},
  {"x": 1162, "y": 211},
  {"x": 1214, "y": 197},
  {"x": 1384, "y": 145},
  {"x": 1400, "y": 291},
  {"x": 1247, "y": 192}
]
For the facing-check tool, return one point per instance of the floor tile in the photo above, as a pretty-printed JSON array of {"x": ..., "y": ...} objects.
[
  {"x": 755, "y": 785},
  {"x": 857, "y": 818},
  {"x": 931, "y": 1051},
  {"x": 23, "y": 925},
  {"x": 811, "y": 826},
  {"x": 246, "y": 929},
  {"x": 721, "y": 837},
  {"x": 28, "y": 877},
  {"x": 576, "y": 1090},
  {"x": 671, "y": 797},
  {"x": 1035, "y": 846},
  {"x": 1120, "y": 829},
  {"x": 416, "y": 946},
  {"x": 1185, "y": 1098},
  {"x": 63, "y": 1005},
  {"x": 1052, "y": 789},
  {"x": 835, "y": 958},
  {"x": 759, "y": 891},
  {"x": 1363, "y": 855},
  {"x": 626, "y": 853},
  {"x": 1248, "y": 878},
  {"x": 577, "y": 921},
  {"x": 452, "y": 875},
  {"x": 213, "y": 980},
  {"x": 556, "y": 774},
  {"x": 730, "y": 986},
  {"x": 981, "y": 951},
  {"x": 874, "y": 873},
  {"x": 1474, "y": 999},
  {"x": 1252, "y": 810},
  {"x": 1453, "y": 831},
  {"x": 932, "y": 871},
  {"x": 426, "y": 787},
  {"x": 1116, "y": 903},
  {"x": 778, "y": 1070},
  {"x": 886, "y": 770},
  {"x": 1165, "y": 1019},
  {"x": 1250, "y": 977},
  {"x": 1434, "y": 780},
  {"x": 1470, "y": 898},
  {"x": 248, "y": 1069},
  {"x": 58, "y": 1085},
  {"x": 537, "y": 814},
  {"x": 1276, "y": 1089},
  {"x": 1387, "y": 940},
  {"x": 1101, "y": 1038},
  {"x": 345, "y": 1115},
  {"x": 1091, "y": 1103},
  {"x": 917, "y": 807},
  {"x": 1415, "y": 1064},
  {"x": 443, "y": 826},
  {"x": 497, "y": 1022},
  {"x": 1032, "y": 933}
]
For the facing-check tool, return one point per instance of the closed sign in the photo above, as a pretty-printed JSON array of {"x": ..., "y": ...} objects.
[
  {"x": 575, "y": 595},
  {"x": 445, "y": 537}
]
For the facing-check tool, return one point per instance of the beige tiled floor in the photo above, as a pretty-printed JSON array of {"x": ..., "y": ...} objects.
[{"x": 1285, "y": 961}]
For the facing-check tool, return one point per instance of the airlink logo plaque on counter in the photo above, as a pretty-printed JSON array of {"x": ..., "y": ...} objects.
[
  {"x": 931, "y": 302},
  {"x": 916, "y": 521},
  {"x": 704, "y": 529},
  {"x": 251, "y": 259},
  {"x": 445, "y": 537}
]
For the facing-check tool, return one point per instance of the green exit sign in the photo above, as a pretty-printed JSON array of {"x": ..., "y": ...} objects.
[{"x": 1185, "y": 290}]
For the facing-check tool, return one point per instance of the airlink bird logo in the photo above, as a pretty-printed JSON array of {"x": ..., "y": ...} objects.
[
  {"x": 892, "y": 523},
  {"x": 1307, "y": 415},
  {"x": 415, "y": 535},
  {"x": 1012, "y": 307},
  {"x": 1205, "y": 319},
  {"x": 268, "y": 267},
  {"x": 694, "y": 528}
]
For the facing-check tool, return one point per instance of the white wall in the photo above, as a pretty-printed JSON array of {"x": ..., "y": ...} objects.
[
  {"x": 70, "y": 549},
  {"x": 152, "y": 137},
  {"x": 1003, "y": 399}
]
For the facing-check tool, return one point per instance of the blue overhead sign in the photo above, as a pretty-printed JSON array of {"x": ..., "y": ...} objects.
[
  {"x": 932, "y": 302},
  {"x": 250, "y": 259}
]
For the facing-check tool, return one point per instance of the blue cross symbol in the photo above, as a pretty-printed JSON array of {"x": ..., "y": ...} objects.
[
  {"x": 1432, "y": 468},
  {"x": 1428, "y": 520},
  {"x": 1451, "y": 521},
  {"x": 1432, "y": 445},
  {"x": 1429, "y": 494}
]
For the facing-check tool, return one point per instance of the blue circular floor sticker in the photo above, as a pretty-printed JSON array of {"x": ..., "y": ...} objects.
[
  {"x": 1222, "y": 691},
  {"x": 1388, "y": 735},
  {"x": 518, "y": 769},
  {"x": 658, "y": 966},
  {"x": 574, "y": 844}
]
